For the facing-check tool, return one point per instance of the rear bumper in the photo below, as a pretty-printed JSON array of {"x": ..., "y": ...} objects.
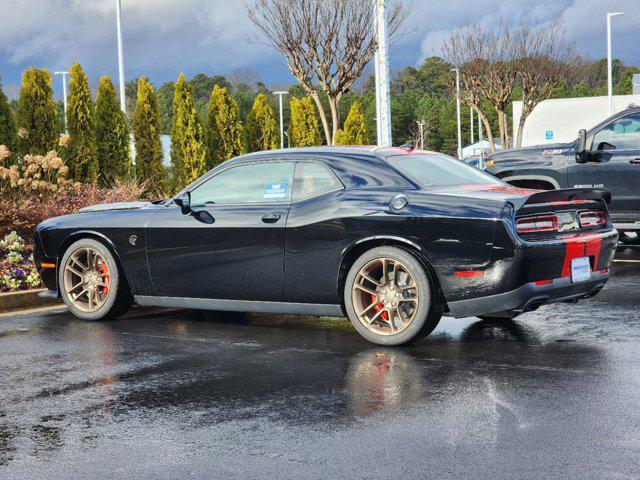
[{"x": 529, "y": 296}]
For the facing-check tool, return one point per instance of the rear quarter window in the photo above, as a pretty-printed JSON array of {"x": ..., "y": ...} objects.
[{"x": 437, "y": 170}]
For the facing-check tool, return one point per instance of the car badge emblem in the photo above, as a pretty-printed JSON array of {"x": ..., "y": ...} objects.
[
  {"x": 567, "y": 221},
  {"x": 133, "y": 239}
]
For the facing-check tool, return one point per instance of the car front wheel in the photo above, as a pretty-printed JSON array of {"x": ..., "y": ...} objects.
[
  {"x": 91, "y": 283},
  {"x": 390, "y": 297}
]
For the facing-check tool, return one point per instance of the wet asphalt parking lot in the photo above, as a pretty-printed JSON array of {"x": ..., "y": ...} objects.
[{"x": 184, "y": 394}]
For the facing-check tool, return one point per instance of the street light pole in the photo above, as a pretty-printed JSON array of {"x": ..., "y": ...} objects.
[
  {"x": 64, "y": 95},
  {"x": 123, "y": 105},
  {"x": 421, "y": 124},
  {"x": 471, "y": 124},
  {"x": 457, "y": 70},
  {"x": 610, "y": 60},
  {"x": 383, "y": 94},
  {"x": 281, "y": 94}
]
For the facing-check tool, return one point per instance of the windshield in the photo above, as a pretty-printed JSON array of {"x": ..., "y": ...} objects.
[{"x": 437, "y": 170}]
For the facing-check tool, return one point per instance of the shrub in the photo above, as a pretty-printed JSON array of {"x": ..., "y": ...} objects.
[
  {"x": 37, "y": 114},
  {"x": 33, "y": 176},
  {"x": 187, "y": 137},
  {"x": 354, "y": 131},
  {"x": 223, "y": 128},
  {"x": 303, "y": 129},
  {"x": 261, "y": 131},
  {"x": 146, "y": 132},
  {"x": 8, "y": 129},
  {"x": 24, "y": 215},
  {"x": 112, "y": 135},
  {"x": 81, "y": 152},
  {"x": 16, "y": 271}
]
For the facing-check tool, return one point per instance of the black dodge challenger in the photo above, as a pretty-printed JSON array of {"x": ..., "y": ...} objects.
[{"x": 393, "y": 238}]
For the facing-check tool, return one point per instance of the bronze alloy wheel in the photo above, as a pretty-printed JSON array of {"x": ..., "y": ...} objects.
[
  {"x": 86, "y": 279},
  {"x": 385, "y": 296}
]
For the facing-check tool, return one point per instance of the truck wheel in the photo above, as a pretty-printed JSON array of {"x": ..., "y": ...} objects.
[
  {"x": 91, "y": 283},
  {"x": 630, "y": 238},
  {"x": 390, "y": 297}
]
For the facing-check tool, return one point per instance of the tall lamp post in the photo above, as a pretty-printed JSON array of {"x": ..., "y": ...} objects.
[
  {"x": 64, "y": 95},
  {"x": 457, "y": 70},
  {"x": 123, "y": 105},
  {"x": 610, "y": 60},
  {"x": 281, "y": 94},
  {"x": 471, "y": 124},
  {"x": 383, "y": 88},
  {"x": 421, "y": 124}
]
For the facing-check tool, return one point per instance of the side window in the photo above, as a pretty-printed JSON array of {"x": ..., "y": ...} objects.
[
  {"x": 252, "y": 183},
  {"x": 623, "y": 134},
  {"x": 313, "y": 179}
]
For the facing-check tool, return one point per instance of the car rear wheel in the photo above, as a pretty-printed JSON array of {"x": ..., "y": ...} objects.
[
  {"x": 390, "y": 297},
  {"x": 91, "y": 283}
]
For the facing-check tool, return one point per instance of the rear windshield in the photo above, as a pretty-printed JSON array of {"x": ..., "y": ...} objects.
[{"x": 436, "y": 170}]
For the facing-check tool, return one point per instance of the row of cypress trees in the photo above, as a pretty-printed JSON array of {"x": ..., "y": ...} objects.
[
  {"x": 99, "y": 135},
  {"x": 98, "y": 145}
]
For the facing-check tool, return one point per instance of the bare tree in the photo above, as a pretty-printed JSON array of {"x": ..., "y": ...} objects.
[
  {"x": 326, "y": 43},
  {"x": 545, "y": 60},
  {"x": 488, "y": 69},
  {"x": 244, "y": 75}
]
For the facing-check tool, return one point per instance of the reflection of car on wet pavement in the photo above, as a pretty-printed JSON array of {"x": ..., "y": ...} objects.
[{"x": 391, "y": 237}]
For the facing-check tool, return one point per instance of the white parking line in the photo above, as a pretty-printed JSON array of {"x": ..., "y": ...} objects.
[{"x": 626, "y": 261}]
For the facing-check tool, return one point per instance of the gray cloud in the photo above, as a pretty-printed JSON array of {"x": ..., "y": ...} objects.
[{"x": 165, "y": 37}]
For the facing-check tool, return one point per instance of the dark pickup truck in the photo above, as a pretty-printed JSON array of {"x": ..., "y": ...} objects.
[{"x": 606, "y": 156}]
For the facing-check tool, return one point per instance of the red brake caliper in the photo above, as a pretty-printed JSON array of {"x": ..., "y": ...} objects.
[
  {"x": 104, "y": 272},
  {"x": 379, "y": 307}
]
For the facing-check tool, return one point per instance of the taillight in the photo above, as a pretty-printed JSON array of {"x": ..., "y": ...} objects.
[
  {"x": 542, "y": 223},
  {"x": 592, "y": 219}
]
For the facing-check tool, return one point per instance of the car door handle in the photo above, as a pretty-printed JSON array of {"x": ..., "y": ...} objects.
[
  {"x": 271, "y": 217},
  {"x": 635, "y": 161}
]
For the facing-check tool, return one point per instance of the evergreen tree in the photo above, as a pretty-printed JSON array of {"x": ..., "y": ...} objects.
[
  {"x": 8, "y": 130},
  {"x": 625, "y": 84},
  {"x": 81, "y": 151},
  {"x": 303, "y": 128},
  {"x": 146, "y": 133},
  {"x": 37, "y": 117},
  {"x": 187, "y": 137},
  {"x": 354, "y": 131},
  {"x": 112, "y": 135},
  {"x": 261, "y": 131},
  {"x": 223, "y": 129}
]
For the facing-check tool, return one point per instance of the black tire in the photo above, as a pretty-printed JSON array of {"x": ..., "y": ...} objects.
[
  {"x": 430, "y": 309},
  {"x": 633, "y": 239},
  {"x": 119, "y": 299}
]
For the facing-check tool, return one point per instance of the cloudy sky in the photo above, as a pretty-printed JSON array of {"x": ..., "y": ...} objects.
[{"x": 166, "y": 37}]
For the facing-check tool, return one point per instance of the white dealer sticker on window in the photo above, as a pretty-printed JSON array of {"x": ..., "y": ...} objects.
[{"x": 275, "y": 190}]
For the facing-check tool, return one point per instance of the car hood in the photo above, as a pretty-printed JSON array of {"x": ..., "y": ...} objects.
[
  {"x": 547, "y": 148},
  {"x": 102, "y": 207}
]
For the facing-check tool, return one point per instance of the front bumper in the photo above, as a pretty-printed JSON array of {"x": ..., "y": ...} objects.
[
  {"x": 530, "y": 296},
  {"x": 47, "y": 266}
]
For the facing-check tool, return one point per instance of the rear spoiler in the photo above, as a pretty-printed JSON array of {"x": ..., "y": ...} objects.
[{"x": 566, "y": 195}]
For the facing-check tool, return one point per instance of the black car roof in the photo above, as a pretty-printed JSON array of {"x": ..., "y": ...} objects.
[
  {"x": 357, "y": 166},
  {"x": 366, "y": 150}
]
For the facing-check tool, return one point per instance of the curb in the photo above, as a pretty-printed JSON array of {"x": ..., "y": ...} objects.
[{"x": 25, "y": 299}]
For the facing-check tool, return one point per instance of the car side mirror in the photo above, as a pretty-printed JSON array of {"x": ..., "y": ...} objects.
[
  {"x": 602, "y": 146},
  {"x": 184, "y": 202},
  {"x": 581, "y": 147}
]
